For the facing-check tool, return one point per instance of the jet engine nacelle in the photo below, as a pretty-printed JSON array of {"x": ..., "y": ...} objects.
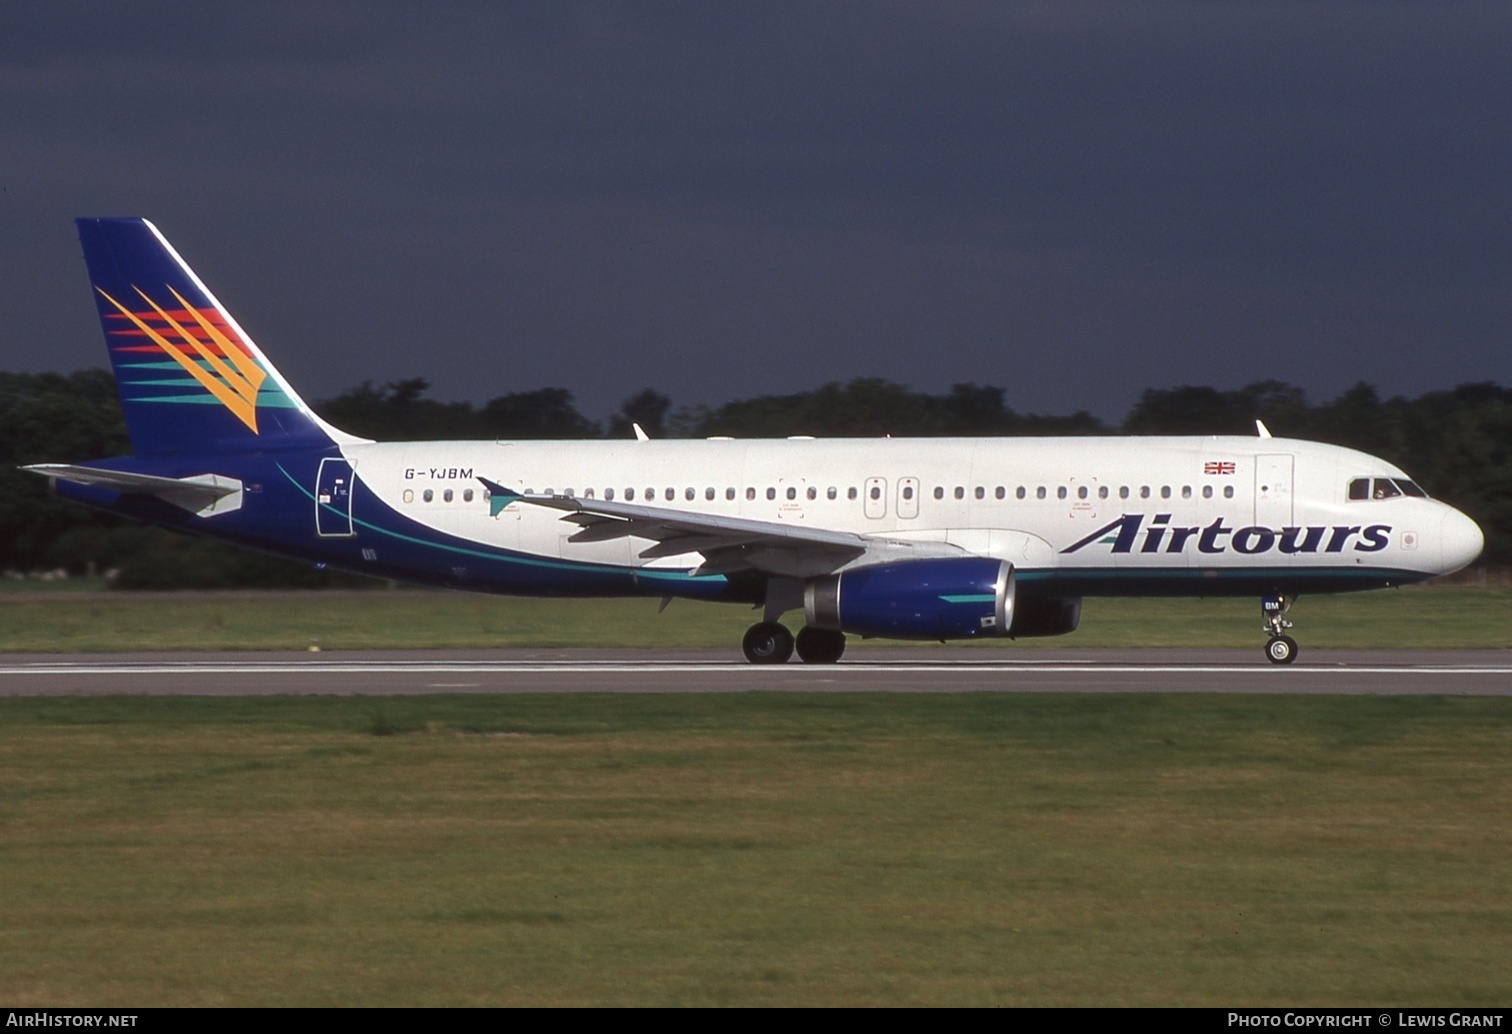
[{"x": 951, "y": 598}]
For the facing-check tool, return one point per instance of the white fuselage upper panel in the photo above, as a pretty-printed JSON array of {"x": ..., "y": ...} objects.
[{"x": 1041, "y": 503}]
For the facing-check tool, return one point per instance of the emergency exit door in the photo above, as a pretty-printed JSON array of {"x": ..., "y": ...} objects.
[{"x": 1273, "y": 491}]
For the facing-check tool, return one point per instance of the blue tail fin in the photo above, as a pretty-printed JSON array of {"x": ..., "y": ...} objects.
[{"x": 190, "y": 379}]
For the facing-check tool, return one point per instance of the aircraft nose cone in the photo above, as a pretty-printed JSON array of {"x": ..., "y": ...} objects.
[{"x": 1461, "y": 540}]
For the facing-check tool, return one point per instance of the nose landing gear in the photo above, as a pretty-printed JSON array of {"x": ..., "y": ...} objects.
[{"x": 1280, "y": 648}]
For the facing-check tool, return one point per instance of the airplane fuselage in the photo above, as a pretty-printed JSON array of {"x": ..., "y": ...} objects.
[
  {"x": 907, "y": 538},
  {"x": 1075, "y": 516}
]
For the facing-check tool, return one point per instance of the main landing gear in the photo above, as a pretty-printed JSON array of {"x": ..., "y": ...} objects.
[
  {"x": 770, "y": 643},
  {"x": 767, "y": 642},
  {"x": 1279, "y": 648},
  {"x": 820, "y": 645}
]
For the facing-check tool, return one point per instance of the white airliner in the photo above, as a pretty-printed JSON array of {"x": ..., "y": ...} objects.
[{"x": 940, "y": 538}]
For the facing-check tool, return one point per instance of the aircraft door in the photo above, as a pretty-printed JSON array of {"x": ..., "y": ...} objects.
[
  {"x": 908, "y": 498},
  {"x": 875, "y": 493},
  {"x": 1273, "y": 491},
  {"x": 333, "y": 498}
]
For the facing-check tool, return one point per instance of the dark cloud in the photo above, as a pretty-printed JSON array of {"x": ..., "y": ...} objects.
[{"x": 1074, "y": 200}]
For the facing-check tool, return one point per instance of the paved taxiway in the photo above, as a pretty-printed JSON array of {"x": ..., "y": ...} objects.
[{"x": 1479, "y": 672}]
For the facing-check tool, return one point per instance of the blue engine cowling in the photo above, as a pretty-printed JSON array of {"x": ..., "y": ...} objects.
[{"x": 952, "y": 598}]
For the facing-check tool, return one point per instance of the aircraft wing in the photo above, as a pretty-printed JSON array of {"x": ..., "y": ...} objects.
[
  {"x": 727, "y": 544},
  {"x": 204, "y": 494}
]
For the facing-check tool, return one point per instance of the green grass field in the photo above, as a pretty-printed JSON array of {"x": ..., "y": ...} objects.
[
  {"x": 1424, "y": 617},
  {"x": 748, "y": 848},
  {"x": 756, "y": 849}
]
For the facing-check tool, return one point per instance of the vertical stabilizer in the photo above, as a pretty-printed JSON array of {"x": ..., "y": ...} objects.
[{"x": 190, "y": 378}]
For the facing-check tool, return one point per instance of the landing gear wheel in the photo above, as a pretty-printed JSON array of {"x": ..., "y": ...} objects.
[
  {"x": 820, "y": 645},
  {"x": 767, "y": 643},
  {"x": 1282, "y": 649}
]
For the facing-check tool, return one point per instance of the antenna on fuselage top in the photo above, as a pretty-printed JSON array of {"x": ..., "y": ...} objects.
[
  {"x": 1261, "y": 429},
  {"x": 640, "y": 433}
]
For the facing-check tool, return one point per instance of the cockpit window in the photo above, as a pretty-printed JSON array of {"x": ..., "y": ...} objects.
[{"x": 1384, "y": 488}]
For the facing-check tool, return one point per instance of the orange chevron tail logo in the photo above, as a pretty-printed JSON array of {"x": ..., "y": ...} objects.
[{"x": 228, "y": 371}]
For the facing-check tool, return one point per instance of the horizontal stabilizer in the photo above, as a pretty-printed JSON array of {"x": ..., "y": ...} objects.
[{"x": 202, "y": 494}]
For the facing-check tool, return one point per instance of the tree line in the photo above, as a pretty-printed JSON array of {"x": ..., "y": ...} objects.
[{"x": 1457, "y": 444}]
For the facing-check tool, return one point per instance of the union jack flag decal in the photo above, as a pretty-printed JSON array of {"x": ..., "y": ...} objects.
[{"x": 1218, "y": 467}]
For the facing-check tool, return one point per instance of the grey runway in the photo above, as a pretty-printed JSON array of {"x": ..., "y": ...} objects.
[{"x": 1477, "y": 672}]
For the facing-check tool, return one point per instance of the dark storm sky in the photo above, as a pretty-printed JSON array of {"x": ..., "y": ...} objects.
[{"x": 1072, "y": 200}]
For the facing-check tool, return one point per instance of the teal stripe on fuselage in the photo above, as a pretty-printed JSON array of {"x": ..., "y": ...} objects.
[{"x": 506, "y": 556}]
